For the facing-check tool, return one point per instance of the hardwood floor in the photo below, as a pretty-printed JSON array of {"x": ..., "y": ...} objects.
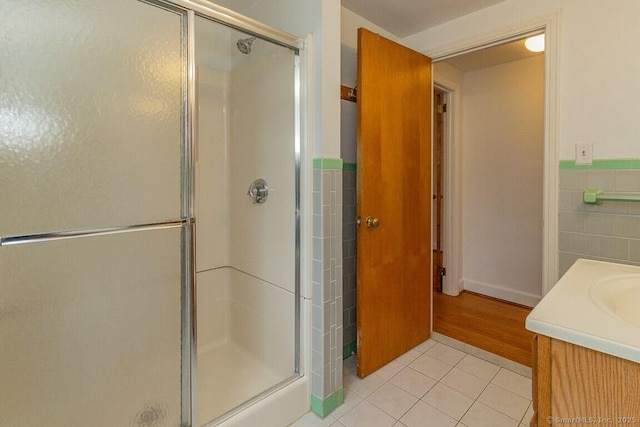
[{"x": 487, "y": 323}]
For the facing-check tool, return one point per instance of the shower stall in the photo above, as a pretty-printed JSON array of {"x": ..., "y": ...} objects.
[
  {"x": 246, "y": 216},
  {"x": 150, "y": 161}
]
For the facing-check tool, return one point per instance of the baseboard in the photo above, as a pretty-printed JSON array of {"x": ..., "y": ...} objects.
[
  {"x": 500, "y": 292},
  {"x": 323, "y": 407}
]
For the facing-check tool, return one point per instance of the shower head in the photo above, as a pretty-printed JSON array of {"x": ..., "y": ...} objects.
[{"x": 244, "y": 45}]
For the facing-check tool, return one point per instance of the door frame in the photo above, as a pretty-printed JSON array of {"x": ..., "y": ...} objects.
[
  {"x": 550, "y": 26},
  {"x": 452, "y": 283}
]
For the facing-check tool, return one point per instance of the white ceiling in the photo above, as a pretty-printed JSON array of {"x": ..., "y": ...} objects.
[
  {"x": 496, "y": 55},
  {"x": 406, "y": 17}
]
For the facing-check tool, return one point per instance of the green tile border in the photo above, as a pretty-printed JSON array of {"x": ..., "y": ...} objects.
[
  {"x": 601, "y": 164},
  {"x": 348, "y": 349},
  {"x": 322, "y": 408},
  {"x": 598, "y": 164},
  {"x": 327, "y": 163}
]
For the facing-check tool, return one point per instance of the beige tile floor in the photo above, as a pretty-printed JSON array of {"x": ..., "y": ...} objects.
[{"x": 432, "y": 385}]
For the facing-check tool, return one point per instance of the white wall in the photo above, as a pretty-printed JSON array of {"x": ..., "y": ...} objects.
[
  {"x": 321, "y": 19},
  {"x": 598, "y": 85},
  {"x": 349, "y": 24},
  {"x": 447, "y": 75},
  {"x": 503, "y": 138},
  {"x": 348, "y": 131}
]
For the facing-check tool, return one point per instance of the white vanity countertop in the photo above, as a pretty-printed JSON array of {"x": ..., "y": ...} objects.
[{"x": 572, "y": 310}]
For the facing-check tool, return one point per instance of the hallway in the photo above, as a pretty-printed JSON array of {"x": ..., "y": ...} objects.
[{"x": 487, "y": 323}]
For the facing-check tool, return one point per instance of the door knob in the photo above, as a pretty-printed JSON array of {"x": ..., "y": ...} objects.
[{"x": 372, "y": 222}]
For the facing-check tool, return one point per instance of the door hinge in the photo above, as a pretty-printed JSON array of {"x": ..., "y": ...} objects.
[
  {"x": 442, "y": 271},
  {"x": 444, "y": 108}
]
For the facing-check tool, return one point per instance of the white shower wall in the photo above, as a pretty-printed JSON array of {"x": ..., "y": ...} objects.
[
  {"x": 263, "y": 235},
  {"x": 234, "y": 307},
  {"x": 212, "y": 170},
  {"x": 245, "y": 252},
  {"x": 240, "y": 139}
]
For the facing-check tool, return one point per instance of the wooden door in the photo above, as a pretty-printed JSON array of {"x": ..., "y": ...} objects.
[{"x": 394, "y": 199}]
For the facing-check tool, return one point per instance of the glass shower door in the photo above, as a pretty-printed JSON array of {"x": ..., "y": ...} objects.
[{"x": 93, "y": 258}]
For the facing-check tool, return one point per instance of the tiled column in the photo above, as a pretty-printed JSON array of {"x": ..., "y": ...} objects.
[{"x": 326, "y": 337}]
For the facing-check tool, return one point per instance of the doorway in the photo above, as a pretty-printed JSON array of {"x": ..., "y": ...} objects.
[
  {"x": 496, "y": 111},
  {"x": 500, "y": 120}
]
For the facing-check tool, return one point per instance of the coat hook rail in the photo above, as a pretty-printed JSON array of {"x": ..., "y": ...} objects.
[{"x": 596, "y": 197}]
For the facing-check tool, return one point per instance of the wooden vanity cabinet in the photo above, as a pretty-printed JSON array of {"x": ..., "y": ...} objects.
[{"x": 574, "y": 385}]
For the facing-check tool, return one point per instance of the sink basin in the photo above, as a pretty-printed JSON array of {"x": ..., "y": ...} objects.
[
  {"x": 618, "y": 295},
  {"x": 595, "y": 305}
]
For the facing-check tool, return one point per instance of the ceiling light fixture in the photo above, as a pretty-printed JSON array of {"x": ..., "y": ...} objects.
[{"x": 535, "y": 43}]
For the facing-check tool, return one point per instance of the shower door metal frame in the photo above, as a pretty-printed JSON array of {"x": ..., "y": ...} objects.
[
  {"x": 228, "y": 18},
  {"x": 240, "y": 22}
]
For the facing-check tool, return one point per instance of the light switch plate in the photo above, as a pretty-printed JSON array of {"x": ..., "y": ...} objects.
[{"x": 584, "y": 154}]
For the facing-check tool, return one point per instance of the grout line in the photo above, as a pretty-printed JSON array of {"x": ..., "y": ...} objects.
[
  {"x": 502, "y": 362},
  {"x": 420, "y": 399},
  {"x": 480, "y": 394}
]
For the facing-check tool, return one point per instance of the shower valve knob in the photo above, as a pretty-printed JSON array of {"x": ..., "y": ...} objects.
[{"x": 259, "y": 191}]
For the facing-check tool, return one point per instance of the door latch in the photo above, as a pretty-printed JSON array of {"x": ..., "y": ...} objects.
[{"x": 370, "y": 221}]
